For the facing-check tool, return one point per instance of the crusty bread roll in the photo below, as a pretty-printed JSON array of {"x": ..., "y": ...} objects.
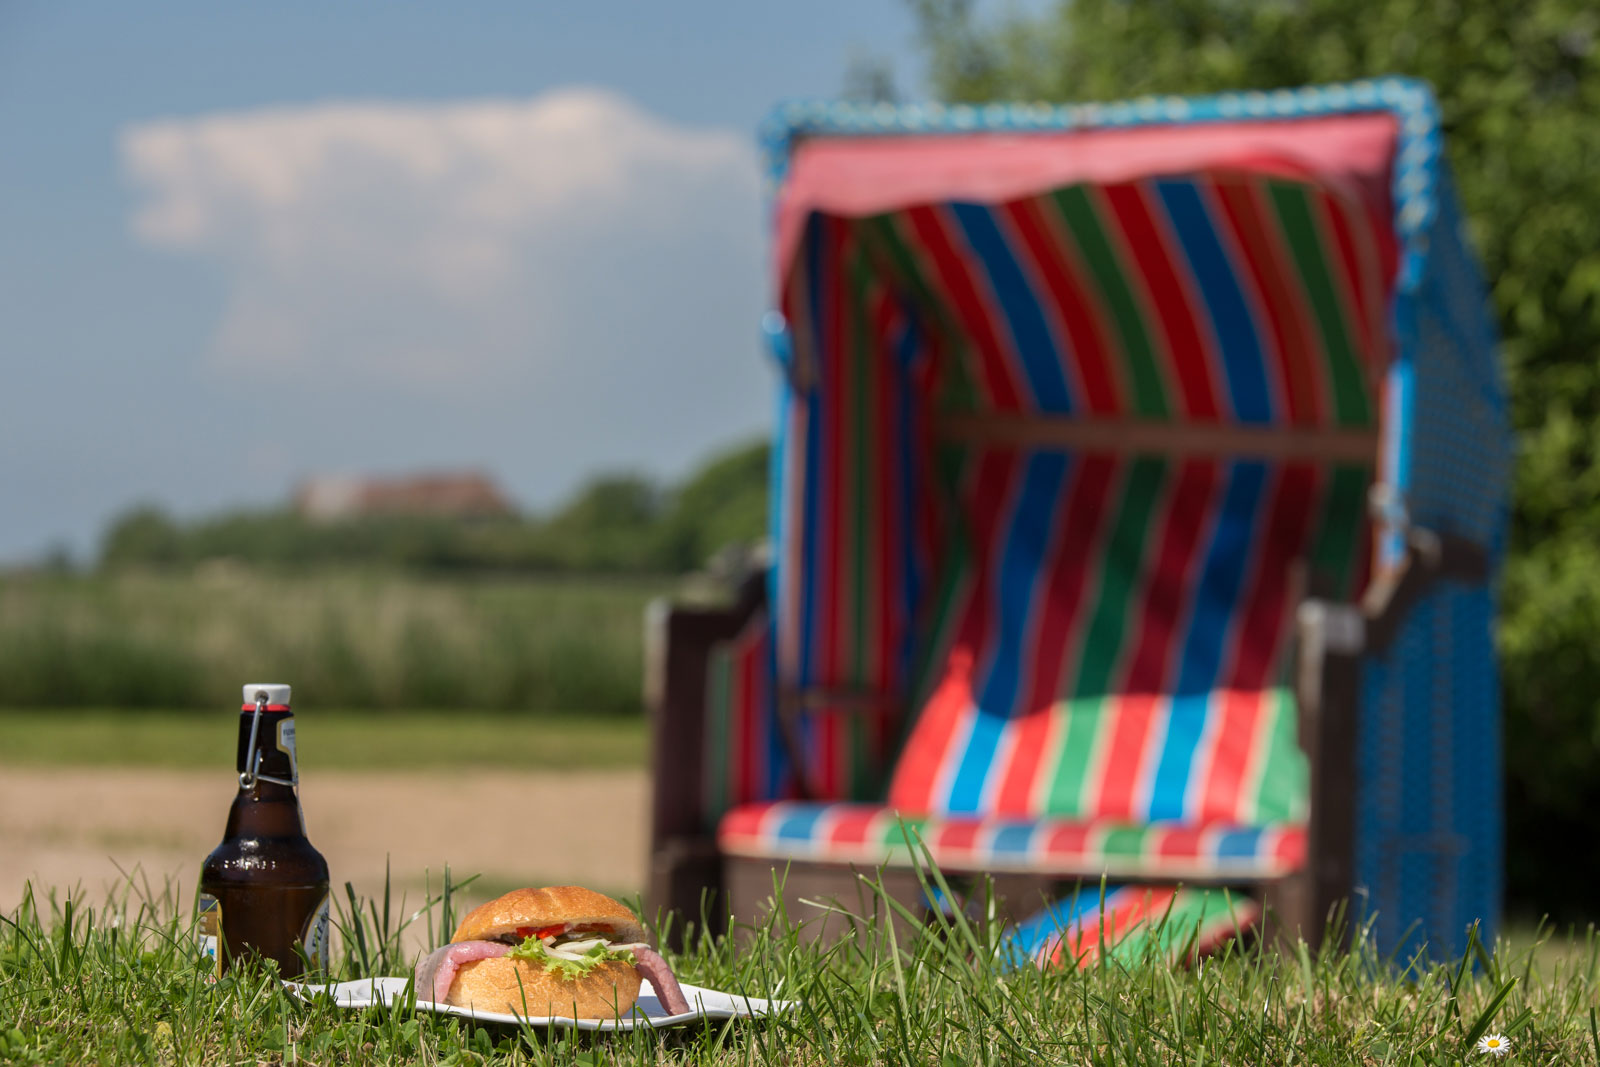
[
  {"x": 606, "y": 992},
  {"x": 547, "y": 907}
]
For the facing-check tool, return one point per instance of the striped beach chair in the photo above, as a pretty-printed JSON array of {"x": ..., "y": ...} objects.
[{"x": 1139, "y": 486}]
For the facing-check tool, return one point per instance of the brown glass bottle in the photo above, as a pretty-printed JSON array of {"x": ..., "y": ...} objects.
[{"x": 264, "y": 890}]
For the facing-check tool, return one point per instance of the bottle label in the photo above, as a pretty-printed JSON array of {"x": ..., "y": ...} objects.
[
  {"x": 286, "y": 746},
  {"x": 314, "y": 938},
  {"x": 208, "y": 934}
]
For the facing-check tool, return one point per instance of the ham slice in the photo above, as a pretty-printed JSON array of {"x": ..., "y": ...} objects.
[
  {"x": 437, "y": 970},
  {"x": 650, "y": 965}
]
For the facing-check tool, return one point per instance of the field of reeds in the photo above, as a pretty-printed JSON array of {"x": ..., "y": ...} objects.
[
  {"x": 344, "y": 638},
  {"x": 121, "y": 982}
]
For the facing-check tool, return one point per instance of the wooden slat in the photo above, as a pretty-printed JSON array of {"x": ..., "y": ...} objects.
[
  {"x": 841, "y": 701},
  {"x": 1138, "y": 436}
]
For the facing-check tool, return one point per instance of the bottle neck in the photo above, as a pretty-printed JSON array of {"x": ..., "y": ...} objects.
[
  {"x": 274, "y": 746},
  {"x": 265, "y": 808}
]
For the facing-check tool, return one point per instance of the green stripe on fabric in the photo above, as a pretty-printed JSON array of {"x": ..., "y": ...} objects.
[
  {"x": 882, "y": 234},
  {"x": 1285, "y": 778},
  {"x": 1087, "y": 713},
  {"x": 1125, "y": 842},
  {"x": 718, "y": 672},
  {"x": 1083, "y": 220},
  {"x": 1344, "y": 512},
  {"x": 951, "y": 471},
  {"x": 902, "y": 835},
  {"x": 1161, "y": 925},
  {"x": 1189, "y": 917},
  {"x": 1290, "y": 201}
]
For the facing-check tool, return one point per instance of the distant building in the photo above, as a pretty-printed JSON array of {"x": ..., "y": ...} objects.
[{"x": 456, "y": 496}]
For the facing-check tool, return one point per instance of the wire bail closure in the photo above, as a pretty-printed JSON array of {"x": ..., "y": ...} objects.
[{"x": 253, "y": 755}]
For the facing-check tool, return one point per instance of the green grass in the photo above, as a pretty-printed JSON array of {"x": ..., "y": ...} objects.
[
  {"x": 373, "y": 639},
  {"x": 119, "y": 983},
  {"x": 327, "y": 740}
]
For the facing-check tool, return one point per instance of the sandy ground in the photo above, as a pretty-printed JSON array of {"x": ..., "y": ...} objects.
[{"x": 74, "y": 827}]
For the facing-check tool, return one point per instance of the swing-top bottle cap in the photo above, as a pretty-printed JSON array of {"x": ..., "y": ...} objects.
[{"x": 277, "y": 694}]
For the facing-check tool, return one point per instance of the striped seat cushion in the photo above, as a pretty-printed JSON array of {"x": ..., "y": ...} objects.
[
  {"x": 1130, "y": 924},
  {"x": 1118, "y": 649},
  {"x": 874, "y": 835}
]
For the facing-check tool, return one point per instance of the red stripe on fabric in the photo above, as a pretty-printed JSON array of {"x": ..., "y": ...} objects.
[
  {"x": 852, "y": 825},
  {"x": 1364, "y": 274},
  {"x": 1239, "y": 714},
  {"x": 1166, "y": 593},
  {"x": 1078, "y": 323},
  {"x": 1290, "y": 848},
  {"x": 742, "y": 824},
  {"x": 1132, "y": 908},
  {"x": 831, "y": 610},
  {"x": 1263, "y": 630},
  {"x": 1287, "y": 328},
  {"x": 957, "y": 276},
  {"x": 266, "y": 707},
  {"x": 956, "y": 835},
  {"x": 892, "y": 485},
  {"x": 1078, "y": 528},
  {"x": 1181, "y": 842},
  {"x": 1266, "y": 615},
  {"x": 1067, "y": 841},
  {"x": 1191, "y": 359},
  {"x": 917, "y": 772}
]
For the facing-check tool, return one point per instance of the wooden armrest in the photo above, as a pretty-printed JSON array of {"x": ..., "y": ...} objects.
[
  {"x": 678, "y": 643},
  {"x": 1430, "y": 557}
]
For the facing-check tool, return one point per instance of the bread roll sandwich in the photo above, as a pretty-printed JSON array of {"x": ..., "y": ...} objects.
[{"x": 562, "y": 950}]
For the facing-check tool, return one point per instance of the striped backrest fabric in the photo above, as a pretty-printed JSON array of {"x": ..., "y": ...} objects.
[
  {"x": 858, "y": 534},
  {"x": 1206, "y": 299},
  {"x": 744, "y": 758},
  {"x": 1217, "y": 297},
  {"x": 1117, "y": 648}
]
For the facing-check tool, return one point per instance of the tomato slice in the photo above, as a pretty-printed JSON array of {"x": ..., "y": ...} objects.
[{"x": 540, "y": 931}]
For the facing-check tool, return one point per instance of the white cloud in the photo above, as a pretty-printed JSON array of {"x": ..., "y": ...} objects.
[{"x": 544, "y": 243}]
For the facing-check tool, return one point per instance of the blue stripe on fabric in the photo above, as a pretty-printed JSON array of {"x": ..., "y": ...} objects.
[
  {"x": 1031, "y": 527},
  {"x": 808, "y": 543},
  {"x": 799, "y": 822},
  {"x": 1029, "y": 334},
  {"x": 778, "y": 761},
  {"x": 1203, "y": 642},
  {"x": 1035, "y": 933},
  {"x": 1239, "y": 845},
  {"x": 906, "y": 355},
  {"x": 1012, "y": 840},
  {"x": 1235, "y": 328}
]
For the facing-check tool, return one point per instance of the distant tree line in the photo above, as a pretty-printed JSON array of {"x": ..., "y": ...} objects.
[{"x": 617, "y": 523}]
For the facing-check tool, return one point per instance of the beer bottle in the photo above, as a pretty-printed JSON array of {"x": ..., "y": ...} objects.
[{"x": 264, "y": 890}]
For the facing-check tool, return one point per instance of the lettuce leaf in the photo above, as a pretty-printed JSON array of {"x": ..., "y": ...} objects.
[{"x": 568, "y": 970}]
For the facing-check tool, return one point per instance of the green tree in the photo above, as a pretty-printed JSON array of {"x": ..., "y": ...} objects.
[
  {"x": 143, "y": 536},
  {"x": 723, "y": 503},
  {"x": 1519, "y": 87}
]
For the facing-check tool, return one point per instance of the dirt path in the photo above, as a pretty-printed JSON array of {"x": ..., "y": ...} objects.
[{"x": 74, "y": 827}]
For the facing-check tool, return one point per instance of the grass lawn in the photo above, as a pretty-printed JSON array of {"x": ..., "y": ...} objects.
[
  {"x": 121, "y": 984},
  {"x": 331, "y": 740}
]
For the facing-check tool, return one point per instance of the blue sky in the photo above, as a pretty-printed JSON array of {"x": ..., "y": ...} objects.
[{"x": 242, "y": 244}]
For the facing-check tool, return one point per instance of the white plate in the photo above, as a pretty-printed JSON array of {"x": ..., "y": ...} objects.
[{"x": 647, "y": 1010}]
